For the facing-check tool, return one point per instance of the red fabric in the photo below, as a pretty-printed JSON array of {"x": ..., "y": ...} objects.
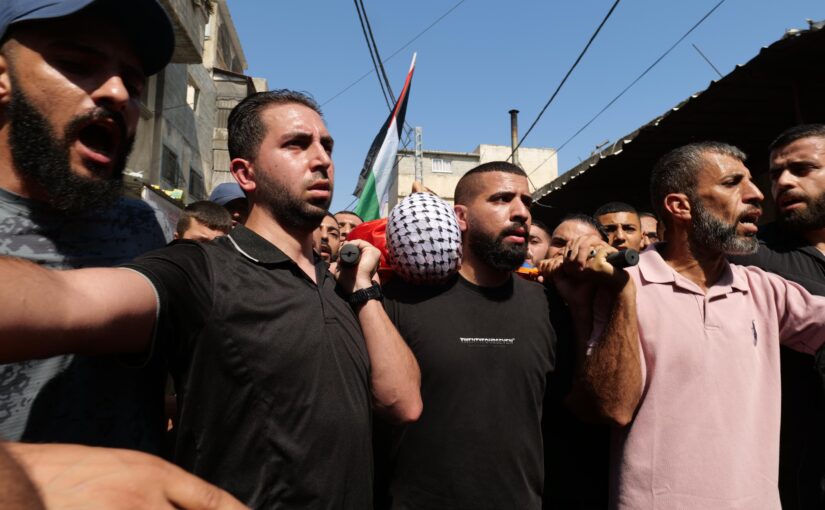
[{"x": 375, "y": 233}]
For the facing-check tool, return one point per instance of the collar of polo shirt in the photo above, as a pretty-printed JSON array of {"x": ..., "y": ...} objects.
[{"x": 255, "y": 247}]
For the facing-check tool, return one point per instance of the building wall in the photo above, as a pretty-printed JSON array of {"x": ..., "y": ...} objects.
[
  {"x": 222, "y": 47},
  {"x": 439, "y": 181},
  {"x": 441, "y": 170},
  {"x": 188, "y": 18},
  {"x": 541, "y": 165},
  {"x": 230, "y": 90},
  {"x": 184, "y": 107}
]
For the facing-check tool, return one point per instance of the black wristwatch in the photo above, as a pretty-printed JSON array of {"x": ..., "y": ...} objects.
[{"x": 362, "y": 296}]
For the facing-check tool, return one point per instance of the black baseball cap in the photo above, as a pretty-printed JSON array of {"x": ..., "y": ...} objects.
[{"x": 144, "y": 23}]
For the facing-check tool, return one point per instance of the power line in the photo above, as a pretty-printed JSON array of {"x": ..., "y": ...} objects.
[
  {"x": 396, "y": 52},
  {"x": 375, "y": 47},
  {"x": 706, "y": 59},
  {"x": 372, "y": 55},
  {"x": 371, "y": 41},
  {"x": 638, "y": 78},
  {"x": 576, "y": 63}
]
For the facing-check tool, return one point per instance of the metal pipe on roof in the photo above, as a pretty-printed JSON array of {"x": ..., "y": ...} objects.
[{"x": 514, "y": 135}]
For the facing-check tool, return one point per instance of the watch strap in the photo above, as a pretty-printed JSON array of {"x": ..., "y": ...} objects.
[{"x": 362, "y": 296}]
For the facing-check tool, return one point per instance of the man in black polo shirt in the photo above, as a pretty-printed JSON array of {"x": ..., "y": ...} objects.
[
  {"x": 793, "y": 248},
  {"x": 276, "y": 365},
  {"x": 485, "y": 346}
]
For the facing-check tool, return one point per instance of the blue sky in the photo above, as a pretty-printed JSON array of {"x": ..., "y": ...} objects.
[{"x": 487, "y": 57}]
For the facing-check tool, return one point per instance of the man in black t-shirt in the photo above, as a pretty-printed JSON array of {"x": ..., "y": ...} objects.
[
  {"x": 276, "y": 365},
  {"x": 794, "y": 248},
  {"x": 485, "y": 346}
]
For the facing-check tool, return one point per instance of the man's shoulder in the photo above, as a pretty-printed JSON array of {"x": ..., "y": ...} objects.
[
  {"x": 758, "y": 279},
  {"x": 95, "y": 239},
  {"x": 529, "y": 288}
]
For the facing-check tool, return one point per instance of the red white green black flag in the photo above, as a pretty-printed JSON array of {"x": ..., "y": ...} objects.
[{"x": 377, "y": 174}]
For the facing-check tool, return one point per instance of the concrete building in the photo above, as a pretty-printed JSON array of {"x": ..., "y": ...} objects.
[
  {"x": 441, "y": 170},
  {"x": 182, "y": 127}
]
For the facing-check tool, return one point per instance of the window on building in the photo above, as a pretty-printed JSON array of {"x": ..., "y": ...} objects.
[
  {"x": 193, "y": 93},
  {"x": 195, "y": 185},
  {"x": 170, "y": 174},
  {"x": 442, "y": 166},
  {"x": 207, "y": 28}
]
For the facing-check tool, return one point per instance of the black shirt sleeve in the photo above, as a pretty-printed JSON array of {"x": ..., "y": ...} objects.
[{"x": 182, "y": 278}]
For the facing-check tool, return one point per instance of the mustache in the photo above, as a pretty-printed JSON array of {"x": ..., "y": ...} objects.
[
  {"x": 513, "y": 229},
  {"x": 99, "y": 113},
  {"x": 796, "y": 195},
  {"x": 750, "y": 211}
]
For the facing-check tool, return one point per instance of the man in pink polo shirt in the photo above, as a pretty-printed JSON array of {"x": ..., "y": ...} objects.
[{"x": 706, "y": 430}]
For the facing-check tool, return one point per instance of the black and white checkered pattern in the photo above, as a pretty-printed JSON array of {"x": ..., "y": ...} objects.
[{"x": 423, "y": 239}]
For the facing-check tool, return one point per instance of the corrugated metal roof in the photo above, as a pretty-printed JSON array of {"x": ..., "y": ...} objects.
[{"x": 783, "y": 85}]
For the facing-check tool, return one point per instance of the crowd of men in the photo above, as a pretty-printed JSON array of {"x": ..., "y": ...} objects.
[{"x": 686, "y": 381}]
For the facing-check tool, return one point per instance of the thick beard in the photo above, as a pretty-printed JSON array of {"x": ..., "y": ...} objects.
[
  {"x": 810, "y": 218},
  {"x": 39, "y": 156},
  {"x": 494, "y": 251},
  {"x": 287, "y": 209},
  {"x": 711, "y": 233}
]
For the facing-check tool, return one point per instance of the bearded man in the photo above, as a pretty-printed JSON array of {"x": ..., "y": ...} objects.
[
  {"x": 277, "y": 366},
  {"x": 70, "y": 77},
  {"x": 485, "y": 346},
  {"x": 794, "y": 248},
  {"x": 705, "y": 433}
]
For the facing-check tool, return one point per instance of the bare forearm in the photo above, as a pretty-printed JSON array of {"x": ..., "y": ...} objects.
[
  {"x": 17, "y": 492},
  {"x": 395, "y": 377},
  {"x": 47, "y": 312},
  {"x": 609, "y": 372}
]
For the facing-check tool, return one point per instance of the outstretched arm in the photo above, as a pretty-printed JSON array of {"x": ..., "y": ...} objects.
[
  {"x": 602, "y": 302},
  {"x": 88, "y": 311},
  {"x": 74, "y": 476},
  {"x": 395, "y": 376},
  {"x": 17, "y": 492}
]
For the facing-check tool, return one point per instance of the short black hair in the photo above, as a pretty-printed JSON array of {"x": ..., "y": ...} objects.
[
  {"x": 331, "y": 216},
  {"x": 676, "y": 171},
  {"x": 648, "y": 214},
  {"x": 208, "y": 213},
  {"x": 540, "y": 224},
  {"x": 466, "y": 189},
  {"x": 795, "y": 133},
  {"x": 246, "y": 128},
  {"x": 586, "y": 219},
  {"x": 351, "y": 213},
  {"x": 615, "y": 207}
]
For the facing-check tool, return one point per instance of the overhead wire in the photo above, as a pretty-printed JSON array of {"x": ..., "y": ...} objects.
[
  {"x": 382, "y": 75},
  {"x": 638, "y": 78},
  {"x": 375, "y": 48},
  {"x": 372, "y": 55},
  {"x": 566, "y": 76},
  {"x": 396, "y": 52}
]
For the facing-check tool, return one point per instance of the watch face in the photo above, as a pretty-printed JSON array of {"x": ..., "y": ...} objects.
[{"x": 423, "y": 239}]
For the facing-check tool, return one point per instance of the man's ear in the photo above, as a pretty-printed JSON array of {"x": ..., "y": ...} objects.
[
  {"x": 461, "y": 216},
  {"x": 244, "y": 172},
  {"x": 5, "y": 77},
  {"x": 678, "y": 205}
]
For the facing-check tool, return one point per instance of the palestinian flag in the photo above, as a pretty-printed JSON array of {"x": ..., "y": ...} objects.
[{"x": 377, "y": 174}]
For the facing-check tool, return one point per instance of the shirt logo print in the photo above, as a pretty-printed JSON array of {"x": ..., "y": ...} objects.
[
  {"x": 753, "y": 328},
  {"x": 486, "y": 341}
]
